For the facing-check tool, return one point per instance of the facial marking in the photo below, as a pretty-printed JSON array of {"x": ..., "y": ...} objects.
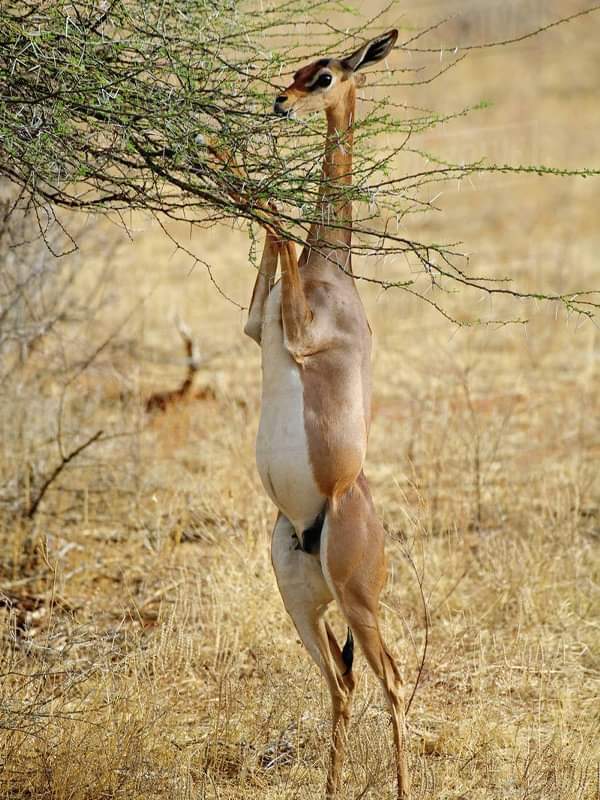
[{"x": 304, "y": 78}]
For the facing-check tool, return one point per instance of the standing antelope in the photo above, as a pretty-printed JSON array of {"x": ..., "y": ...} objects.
[{"x": 316, "y": 408}]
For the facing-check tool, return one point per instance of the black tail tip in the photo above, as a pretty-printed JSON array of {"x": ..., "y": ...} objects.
[{"x": 348, "y": 652}]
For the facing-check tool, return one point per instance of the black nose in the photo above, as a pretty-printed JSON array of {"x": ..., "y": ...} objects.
[{"x": 277, "y": 106}]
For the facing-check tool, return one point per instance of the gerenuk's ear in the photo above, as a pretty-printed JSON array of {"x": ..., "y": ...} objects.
[{"x": 371, "y": 52}]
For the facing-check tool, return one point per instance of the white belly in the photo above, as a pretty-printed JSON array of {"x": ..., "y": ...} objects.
[{"x": 281, "y": 445}]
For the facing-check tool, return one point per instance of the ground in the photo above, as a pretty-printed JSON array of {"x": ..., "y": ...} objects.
[{"x": 146, "y": 652}]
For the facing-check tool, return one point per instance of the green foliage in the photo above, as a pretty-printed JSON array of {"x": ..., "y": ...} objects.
[{"x": 108, "y": 107}]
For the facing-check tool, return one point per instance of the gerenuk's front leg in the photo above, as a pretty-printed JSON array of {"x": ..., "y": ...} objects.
[
  {"x": 295, "y": 310},
  {"x": 262, "y": 286}
]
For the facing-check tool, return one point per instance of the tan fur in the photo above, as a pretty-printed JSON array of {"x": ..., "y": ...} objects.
[{"x": 325, "y": 331}]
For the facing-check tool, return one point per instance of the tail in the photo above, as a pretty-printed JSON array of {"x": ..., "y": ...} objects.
[
  {"x": 348, "y": 652},
  {"x": 311, "y": 537}
]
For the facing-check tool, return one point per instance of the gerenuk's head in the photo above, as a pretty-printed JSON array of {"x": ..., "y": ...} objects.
[{"x": 326, "y": 82}]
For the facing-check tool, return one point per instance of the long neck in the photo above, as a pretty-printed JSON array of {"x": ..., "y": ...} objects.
[{"x": 334, "y": 209}]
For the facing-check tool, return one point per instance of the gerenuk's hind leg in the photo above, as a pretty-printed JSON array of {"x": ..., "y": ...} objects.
[
  {"x": 306, "y": 596},
  {"x": 354, "y": 566}
]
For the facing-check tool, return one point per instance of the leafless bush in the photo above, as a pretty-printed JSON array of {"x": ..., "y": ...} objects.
[
  {"x": 42, "y": 304},
  {"x": 36, "y": 280}
]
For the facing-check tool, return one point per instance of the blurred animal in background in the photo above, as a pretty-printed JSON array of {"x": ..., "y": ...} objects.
[{"x": 162, "y": 401}]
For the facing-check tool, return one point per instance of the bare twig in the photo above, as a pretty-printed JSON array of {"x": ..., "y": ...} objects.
[
  {"x": 514, "y": 40},
  {"x": 33, "y": 507},
  {"x": 427, "y": 625}
]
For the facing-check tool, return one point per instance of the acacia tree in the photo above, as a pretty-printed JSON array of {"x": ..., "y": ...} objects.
[{"x": 107, "y": 106}]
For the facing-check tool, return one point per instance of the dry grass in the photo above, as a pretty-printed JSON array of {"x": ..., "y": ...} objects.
[{"x": 145, "y": 650}]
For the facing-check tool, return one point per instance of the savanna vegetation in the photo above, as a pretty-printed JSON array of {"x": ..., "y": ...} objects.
[{"x": 145, "y": 650}]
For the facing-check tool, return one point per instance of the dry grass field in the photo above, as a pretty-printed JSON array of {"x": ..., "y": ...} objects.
[{"x": 145, "y": 649}]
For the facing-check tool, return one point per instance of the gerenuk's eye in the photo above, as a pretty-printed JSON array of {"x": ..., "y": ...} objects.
[{"x": 324, "y": 80}]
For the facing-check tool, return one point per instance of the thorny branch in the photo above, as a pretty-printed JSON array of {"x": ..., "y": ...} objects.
[{"x": 108, "y": 107}]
